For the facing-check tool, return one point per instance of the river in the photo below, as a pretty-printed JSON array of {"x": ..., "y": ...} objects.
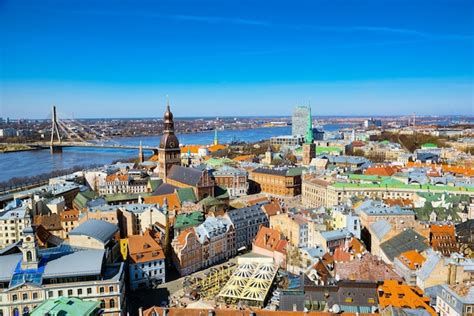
[{"x": 31, "y": 163}]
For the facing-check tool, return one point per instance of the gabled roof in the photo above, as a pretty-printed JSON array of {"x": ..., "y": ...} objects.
[
  {"x": 186, "y": 195},
  {"x": 100, "y": 230},
  {"x": 381, "y": 228},
  {"x": 171, "y": 199},
  {"x": 270, "y": 239},
  {"x": 164, "y": 188},
  {"x": 144, "y": 248},
  {"x": 406, "y": 240},
  {"x": 189, "y": 176}
]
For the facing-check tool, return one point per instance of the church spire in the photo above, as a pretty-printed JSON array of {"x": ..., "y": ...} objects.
[
  {"x": 216, "y": 140},
  {"x": 168, "y": 118},
  {"x": 141, "y": 156}
]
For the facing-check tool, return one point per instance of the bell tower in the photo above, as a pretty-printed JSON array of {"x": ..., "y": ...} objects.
[
  {"x": 169, "y": 153},
  {"x": 29, "y": 249},
  {"x": 309, "y": 147}
]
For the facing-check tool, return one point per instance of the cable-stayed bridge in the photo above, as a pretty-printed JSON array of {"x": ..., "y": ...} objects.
[{"x": 72, "y": 133}]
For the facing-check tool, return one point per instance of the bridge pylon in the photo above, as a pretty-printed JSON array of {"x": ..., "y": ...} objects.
[{"x": 55, "y": 148}]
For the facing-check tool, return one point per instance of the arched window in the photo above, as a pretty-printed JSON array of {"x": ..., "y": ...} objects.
[
  {"x": 29, "y": 256},
  {"x": 102, "y": 304},
  {"x": 112, "y": 303}
]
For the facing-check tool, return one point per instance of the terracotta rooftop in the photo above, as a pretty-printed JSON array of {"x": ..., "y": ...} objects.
[
  {"x": 394, "y": 293},
  {"x": 143, "y": 248},
  {"x": 158, "y": 311},
  {"x": 412, "y": 259},
  {"x": 386, "y": 171},
  {"x": 272, "y": 208},
  {"x": 270, "y": 239},
  {"x": 117, "y": 177},
  {"x": 172, "y": 199},
  {"x": 366, "y": 268}
]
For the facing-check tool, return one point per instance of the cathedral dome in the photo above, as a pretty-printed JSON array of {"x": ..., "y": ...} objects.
[{"x": 169, "y": 141}]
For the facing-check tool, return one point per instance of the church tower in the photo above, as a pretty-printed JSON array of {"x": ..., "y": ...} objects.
[
  {"x": 309, "y": 147},
  {"x": 29, "y": 249},
  {"x": 169, "y": 153},
  {"x": 141, "y": 156}
]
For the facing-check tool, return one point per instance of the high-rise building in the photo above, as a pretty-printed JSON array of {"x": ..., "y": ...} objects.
[
  {"x": 169, "y": 153},
  {"x": 299, "y": 121}
]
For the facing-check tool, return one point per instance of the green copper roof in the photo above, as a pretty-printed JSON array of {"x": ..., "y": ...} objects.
[
  {"x": 66, "y": 306},
  {"x": 210, "y": 201},
  {"x": 124, "y": 197},
  {"x": 221, "y": 192},
  {"x": 186, "y": 195},
  {"x": 295, "y": 171},
  {"x": 429, "y": 145},
  {"x": 414, "y": 187},
  {"x": 216, "y": 162},
  {"x": 188, "y": 220},
  {"x": 155, "y": 184},
  {"x": 83, "y": 197},
  {"x": 327, "y": 150}
]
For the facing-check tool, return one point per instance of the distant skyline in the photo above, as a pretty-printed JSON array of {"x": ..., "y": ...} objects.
[{"x": 232, "y": 58}]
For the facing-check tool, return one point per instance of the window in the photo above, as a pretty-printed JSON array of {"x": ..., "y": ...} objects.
[
  {"x": 25, "y": 296},
  {"x": 112, "y": 303},
  {"x": 79, "y": 291},
  {"x": 111, "y": 289},
  {"x": 89, "y": 290},
  {"x": 14, "y": 297},
  {"x": 35, "y": 296},
  {"x": 101, "y": 289},
  {"x": 102, "y": 304},
  {"x": 69, "y": 292},
  {"x": 50, "y": 294},
  {"x": 60, "y": 293}
]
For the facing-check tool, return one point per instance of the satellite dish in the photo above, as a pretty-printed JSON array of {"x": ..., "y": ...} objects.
[{"x": 336, "y": 309}]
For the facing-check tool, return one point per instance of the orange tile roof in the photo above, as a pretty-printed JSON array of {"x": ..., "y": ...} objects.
[
  {"x": 386, "y": 171},
  {"x": 69, "y": 215},
  {"x": 400, "y": 202},
  {"x": 412, "y": 259},
  {"x": 443, "y": 238},
  {"x": 144, "y": 248},
  {"x": 183, "y": 236},
  {"x": 116, "y": 177},
  {"x": 461, "y": 170},
  {"x": 256, "y": 200},
  {"x": 153, "y": 158},
  {"x": 217, "y": 147},
  {"x": 272, "y": 208},
  {"x": 244, "y": 158},
  {"x": 193, "y": 149},
  {"x": 172, "y": 200},
  {"x": 394, "y": 293},
  {"x": 270, "y": 239}
]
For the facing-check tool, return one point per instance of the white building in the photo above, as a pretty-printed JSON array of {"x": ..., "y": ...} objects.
[
  {"x": 147, "y": 261},
  {"x": 13, "y": 219}
]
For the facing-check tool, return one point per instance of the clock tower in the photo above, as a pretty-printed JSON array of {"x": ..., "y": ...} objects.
[{"x": 169, "y": 153}]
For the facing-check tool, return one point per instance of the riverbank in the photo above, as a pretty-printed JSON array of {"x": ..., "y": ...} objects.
[{"x": 6, "y": 148}]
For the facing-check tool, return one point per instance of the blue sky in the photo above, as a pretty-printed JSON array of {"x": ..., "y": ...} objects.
[{"x": 224, "y": 57}]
